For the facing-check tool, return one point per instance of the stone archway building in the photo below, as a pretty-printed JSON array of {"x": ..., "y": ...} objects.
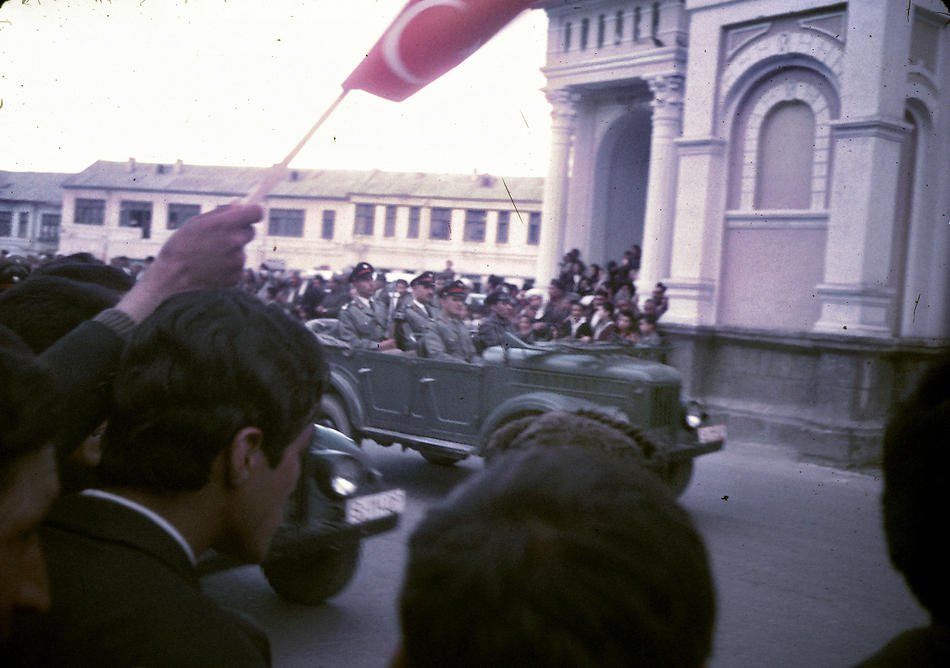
[{"x": 784, "y": 165}]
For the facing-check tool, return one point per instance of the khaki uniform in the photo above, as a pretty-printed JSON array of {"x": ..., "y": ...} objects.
[
  {"x": 362, "y": 326},
  {"x": 449, "y": 338}
]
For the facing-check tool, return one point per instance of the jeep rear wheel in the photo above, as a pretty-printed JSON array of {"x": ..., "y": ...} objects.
[
  {"x": 333, "y": 415},
  {"x": 310, "y": 570}
]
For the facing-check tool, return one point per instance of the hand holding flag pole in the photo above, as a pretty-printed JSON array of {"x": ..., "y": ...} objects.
[{"x": 426, "y": 40}]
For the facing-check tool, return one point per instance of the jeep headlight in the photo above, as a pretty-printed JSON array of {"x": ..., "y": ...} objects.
[
  {"x": 694, "y": 415},
  {"x": 345, "y": 476}
]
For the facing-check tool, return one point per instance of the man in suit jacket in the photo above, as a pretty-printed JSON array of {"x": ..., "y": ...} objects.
[
  {"x": 212, "y": 408},
  {"x": 364, "y": 321}
]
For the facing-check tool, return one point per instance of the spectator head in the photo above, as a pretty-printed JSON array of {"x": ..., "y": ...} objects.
[
  {"x": 555, "y": 290},
  {"x": 577, "y": 309},
  {"x": 13, "y": 269},
  {"x": 649, "y": 306},
  {"x": 916, "y": 496},
  {"x": 29, "y": 420},
  {"x": 401, "y": 286},
  {"x": 625, "y": 320},
  {"x": 647, "y": 324},
  {"x": 558, "y": 555},
  {"x": 45, "y": 307},
  {"x": 211, "y": 380},
  {"x": 659, "y": 290},
  {"x": 361, "y": 279}
]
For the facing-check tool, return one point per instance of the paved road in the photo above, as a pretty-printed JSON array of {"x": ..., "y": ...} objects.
[{"x": 797, "y": 549}]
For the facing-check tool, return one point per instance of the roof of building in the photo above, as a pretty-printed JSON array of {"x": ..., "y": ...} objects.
[
  {"x": 43, "y": 187},
  {"x": 304, "y": 183}
]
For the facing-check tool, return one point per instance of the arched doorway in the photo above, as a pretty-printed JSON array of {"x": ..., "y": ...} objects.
[{"x": 621, "y": 171}]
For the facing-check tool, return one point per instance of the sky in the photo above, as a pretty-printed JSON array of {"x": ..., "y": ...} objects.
[{"x": 239, "y": 82}]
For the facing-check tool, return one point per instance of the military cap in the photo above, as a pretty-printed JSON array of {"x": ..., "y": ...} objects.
[
  {"x": 360, "y": 271},
  {"x": 454, "y": 289},
  {"x": 425, "y": 278},
  {"x": 496, "y": 297}
]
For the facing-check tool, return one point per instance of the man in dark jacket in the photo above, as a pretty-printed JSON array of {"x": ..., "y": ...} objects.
[
  {"x": 493, "y": 329},
  {"x": 212, "y": 409},
  {"x": 413, "y": 314}
]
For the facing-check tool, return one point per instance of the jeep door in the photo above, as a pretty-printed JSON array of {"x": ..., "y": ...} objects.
[
  {"x": 447, "y": 400},
  {"x": 386, "y": 388}
]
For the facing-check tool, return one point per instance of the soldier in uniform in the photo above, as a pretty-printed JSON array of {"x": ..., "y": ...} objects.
[
  {"x": 449, "y": 338},
  {"x": 364, "y": 321},
  {"x": 491, "y": 331},
  {"x": 413, "y": 315}
]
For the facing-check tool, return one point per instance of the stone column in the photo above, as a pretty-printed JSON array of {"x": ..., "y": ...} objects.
[
  {"x": 667, "y": 107},
  {"x": 550, "y": 246},
  {"x": 856, "y": 298}
]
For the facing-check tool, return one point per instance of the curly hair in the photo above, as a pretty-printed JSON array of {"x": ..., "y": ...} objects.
[{"x": 583, "y": 427}]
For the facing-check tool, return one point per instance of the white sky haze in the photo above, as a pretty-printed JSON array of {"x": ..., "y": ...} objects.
[{"x": 238, "y": 82}]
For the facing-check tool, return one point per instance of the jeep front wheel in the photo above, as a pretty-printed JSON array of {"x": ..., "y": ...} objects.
[
  {"x": 311, "y": 570},
  {"x": 333, "y": 415}
]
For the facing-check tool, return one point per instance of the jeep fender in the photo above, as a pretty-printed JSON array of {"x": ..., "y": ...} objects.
[
  {"x": 345, "y": 387},
  {"x": 538, "y": 402}
]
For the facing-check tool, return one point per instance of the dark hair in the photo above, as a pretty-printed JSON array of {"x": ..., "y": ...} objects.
[
  {"x": 44, "y": 308},
  {"x": 203, "y": 366},
  {"x": 87, "y": 269},
  {"x": 563, "y": 556},
  {"x": 916, "y": 497},
  {"x": 29, "y": 403}
]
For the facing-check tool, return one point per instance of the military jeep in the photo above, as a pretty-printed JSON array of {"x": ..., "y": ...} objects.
[
  {"x": 339, "y": 499},
  {"x": 446, "y": 410}
]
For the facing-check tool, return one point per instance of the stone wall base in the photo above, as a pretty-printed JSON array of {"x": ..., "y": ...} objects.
[{"x": 823, "y": 397}]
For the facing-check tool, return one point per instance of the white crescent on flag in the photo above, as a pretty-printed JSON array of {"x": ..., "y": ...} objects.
[
  {"x": 426, "y": 40},
  {"x": 390, "y": 41}
]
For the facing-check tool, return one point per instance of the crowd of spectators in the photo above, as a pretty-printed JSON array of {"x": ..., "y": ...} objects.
[{"x": 585, "y": 302}]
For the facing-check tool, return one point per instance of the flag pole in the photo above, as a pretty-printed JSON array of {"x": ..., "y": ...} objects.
[{"x": 277, "y": 173}]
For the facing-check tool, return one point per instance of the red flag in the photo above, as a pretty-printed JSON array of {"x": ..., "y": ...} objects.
[{"x": 426, "y": 40}]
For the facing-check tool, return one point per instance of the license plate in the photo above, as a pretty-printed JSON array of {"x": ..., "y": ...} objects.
[
  {"x": 373, "y": 506},
  {"x": 712, "y": 432}
]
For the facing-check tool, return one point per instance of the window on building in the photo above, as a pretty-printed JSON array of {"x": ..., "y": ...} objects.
[
  {"x": 179, "y": 213},
  {"x": 49, "y": 227},
  {"x": 534, "y": 228},
  {"x": 618, "y": 27},
  {"x": 585, "y": 31},
  {"x": 415, "y": 214},
  {"x": 328, "y": 224},
  {"x": 6, "y": 223},
  {"x": 136, "y": 214},
  {"x": 475, "y": 225},
  {"x": 440, "y": 226},
  {"x": 90, "y": 212},
  {"x": 637, "y": 21},
  {"x": 365, "y": 217},
  {"x": 23, "y": 225},
  {"x": 285, "y": 222},
  {"x": 567, "y": 36},
  {"x": 655, "y": 20},
  {"x": 601, "y": 30},
  {"x": 501, "y": 232},
  {"x": 786, "y": 157},
  {"x": 389, "y": 228}
]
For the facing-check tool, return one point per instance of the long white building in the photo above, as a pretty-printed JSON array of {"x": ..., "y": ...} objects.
[{"x": 316, "y": 219}]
